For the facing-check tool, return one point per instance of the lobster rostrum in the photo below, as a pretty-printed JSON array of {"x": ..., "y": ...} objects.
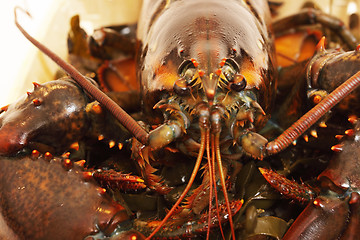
[{"x": 206, "y": 90}]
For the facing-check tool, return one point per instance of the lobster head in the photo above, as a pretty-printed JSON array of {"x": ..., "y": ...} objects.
[{"x": 230, "y": 79}]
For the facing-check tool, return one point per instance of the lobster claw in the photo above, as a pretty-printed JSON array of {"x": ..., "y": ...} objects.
[
  {"x": 324, "y": 218},
  {"x": 9, "y": 142},
  {"x": 39, "y": 194},
  {"x": 54, "y": 110}
]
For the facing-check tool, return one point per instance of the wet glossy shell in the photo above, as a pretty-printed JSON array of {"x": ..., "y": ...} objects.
[{"x": 207, "y": 31}]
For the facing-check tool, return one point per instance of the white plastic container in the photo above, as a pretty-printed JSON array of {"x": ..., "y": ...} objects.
[{"x": 21, "y": 63}]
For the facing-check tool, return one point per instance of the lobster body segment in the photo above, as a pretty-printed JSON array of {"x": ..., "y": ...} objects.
[{"x": 202, "y": 50}]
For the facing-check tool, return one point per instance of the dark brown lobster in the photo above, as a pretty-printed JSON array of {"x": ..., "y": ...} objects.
[
  {"x": 333, "y": 212},
  {"x": 69, "y": 199},
  {"x": 203, "y": 93}
]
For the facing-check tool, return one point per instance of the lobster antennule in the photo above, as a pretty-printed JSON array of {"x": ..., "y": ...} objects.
[
  {"x": 211, "y": 182},
  {"x": 222, "y": 179},
  {"x": 125, "y": 119}
]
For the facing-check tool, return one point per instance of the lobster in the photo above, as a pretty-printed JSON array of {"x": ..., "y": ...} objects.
[
  {"x": 333, "y": 211},
  {"x": 84, "y": 206},
  {"x": 203, "y": 92}
]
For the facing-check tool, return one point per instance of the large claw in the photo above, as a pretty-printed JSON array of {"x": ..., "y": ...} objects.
[
  {"x": 40, "y": 199},
  {"x": 324, "y": 218}
]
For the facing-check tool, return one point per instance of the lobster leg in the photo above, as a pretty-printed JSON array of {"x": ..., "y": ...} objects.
[
  {"x": 117, "y": 180},
  {"x": 189, "y": 226},
  {"x": 290, "y": 189}
]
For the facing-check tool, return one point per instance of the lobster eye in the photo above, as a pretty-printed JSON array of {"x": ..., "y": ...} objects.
[
  {"x": 189, "y": 74},
  {"x": 239, "y": 83},
  {"x": 228, "y": 72},
  {"x": 181, "y": 87}
]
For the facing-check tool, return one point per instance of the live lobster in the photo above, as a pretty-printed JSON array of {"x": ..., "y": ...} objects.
[{"x": 206, "y": 92}]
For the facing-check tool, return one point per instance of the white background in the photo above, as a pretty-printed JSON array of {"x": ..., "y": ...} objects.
[{"x": 21, "y": 63}]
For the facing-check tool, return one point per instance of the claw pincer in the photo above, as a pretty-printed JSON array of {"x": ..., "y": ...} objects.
[
  {"x": 54, "y": 110},
  {"x": 324, "y": 218}
]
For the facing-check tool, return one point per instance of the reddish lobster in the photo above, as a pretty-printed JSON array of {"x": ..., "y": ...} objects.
[{"x": 209, "y": 90}]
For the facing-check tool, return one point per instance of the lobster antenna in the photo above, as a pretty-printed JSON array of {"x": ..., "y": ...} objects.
[
  {"x": 312, "y": 116},
  {"x": 125, "y": 119}
]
